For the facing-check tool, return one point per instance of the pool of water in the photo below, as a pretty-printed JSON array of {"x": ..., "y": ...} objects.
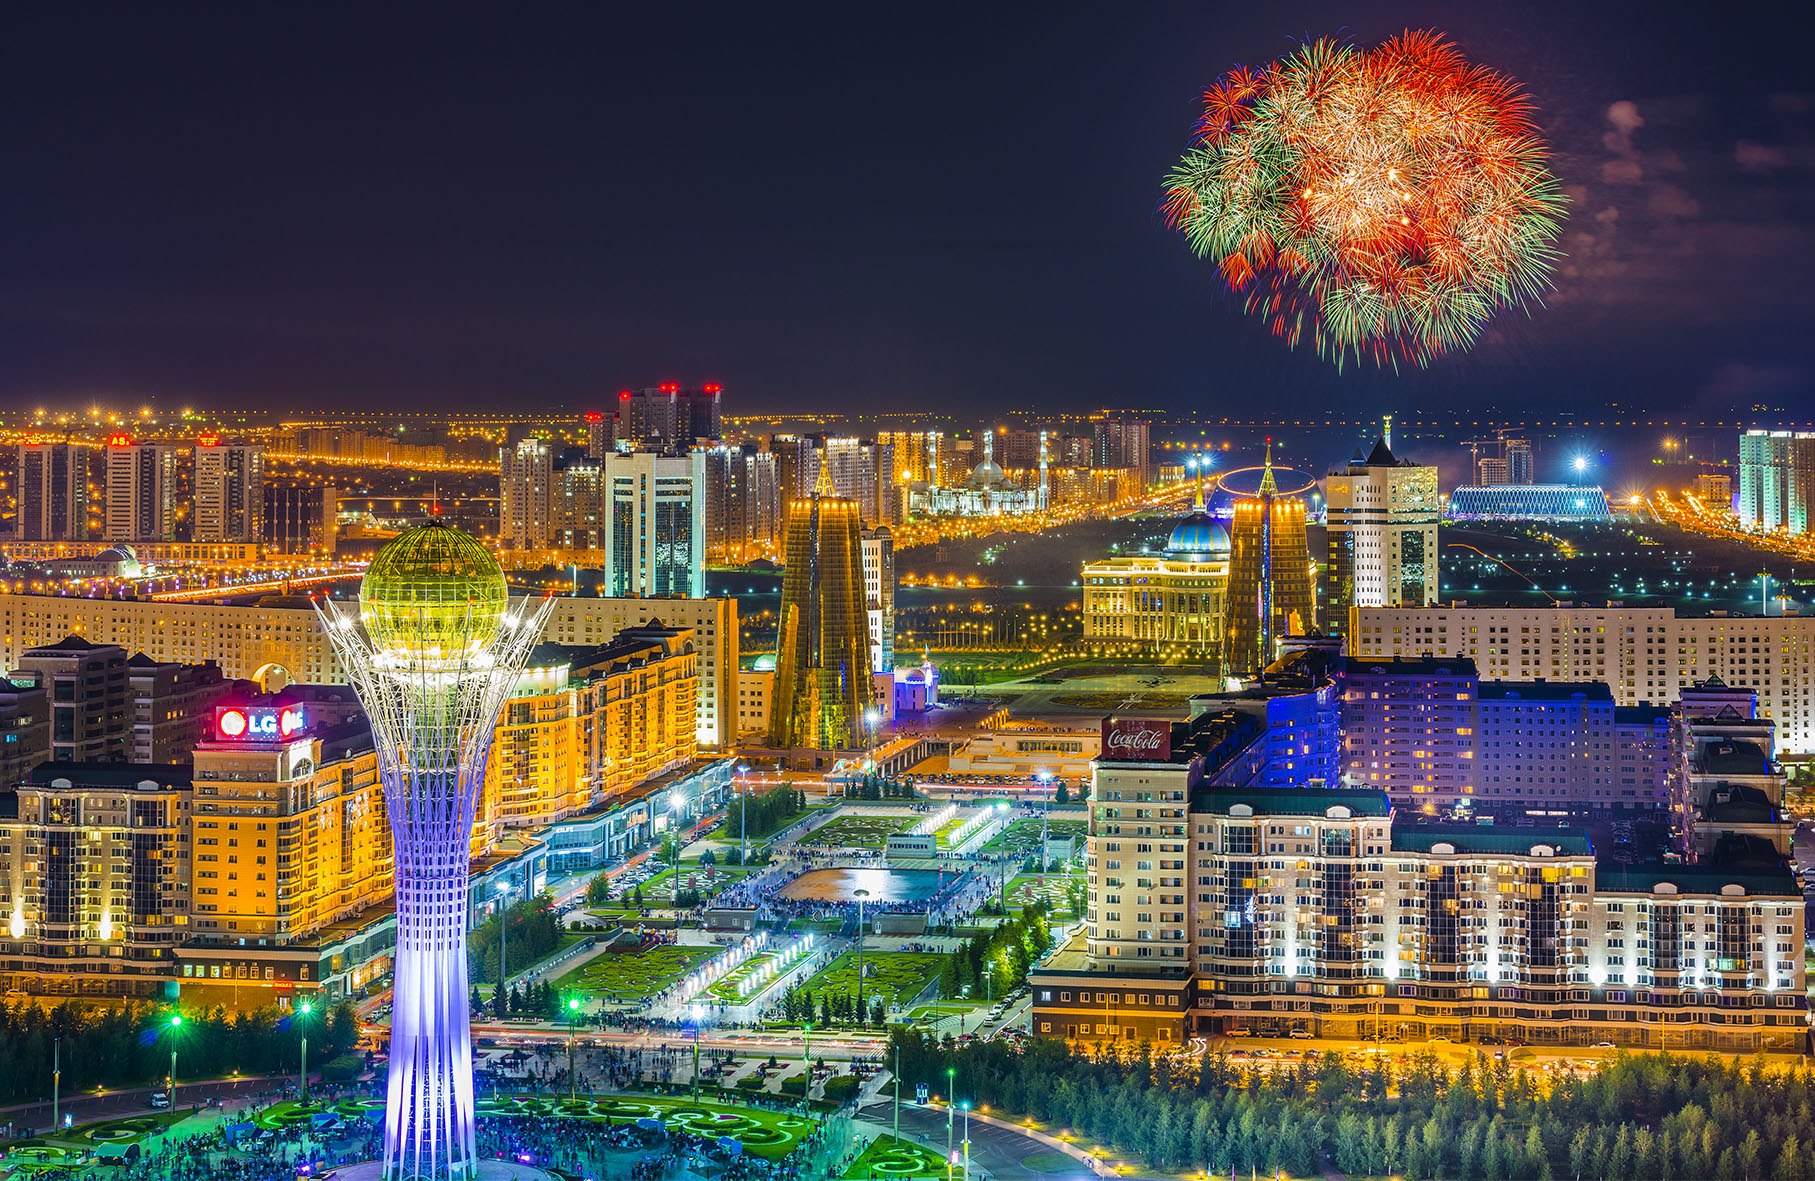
[{"x": 884, "y": 885}]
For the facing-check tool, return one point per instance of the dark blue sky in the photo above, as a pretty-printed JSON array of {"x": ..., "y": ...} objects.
[{"x": 950, "y": 206}]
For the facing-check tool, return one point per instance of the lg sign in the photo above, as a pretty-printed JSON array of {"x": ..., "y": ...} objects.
[
  {"x": 1137, "y": 740},
  {"x": 256, "y": 724}
]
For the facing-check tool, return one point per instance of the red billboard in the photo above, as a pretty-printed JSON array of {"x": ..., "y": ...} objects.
[{"x": 1137, "y": 740}]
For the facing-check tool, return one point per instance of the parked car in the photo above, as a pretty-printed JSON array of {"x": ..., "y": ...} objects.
[
  {"x": 1301, "y": 1032},
  {"x": 159, "y": 1099}
]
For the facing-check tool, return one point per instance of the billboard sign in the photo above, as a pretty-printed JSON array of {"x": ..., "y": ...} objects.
[{"x": 1137, "y": 740}]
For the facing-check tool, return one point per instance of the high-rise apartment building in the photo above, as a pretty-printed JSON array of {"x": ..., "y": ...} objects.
[
  {"x": 95, "y": 865},
  {"x": 1521, "y": 467},
  {"x": 584, "y": 725},
  {"x": 141, "y": 485},
  {"x": 743, "y": 504},
  {"x": 24, "y": 727},
  {"x": 1218, "y": 909},
  {"x": 1382, "y": 520},
  {"x": 879, "y": 596},
  {"x": 53, "y": 492},
  {"x": 229, "y": 492},
  {"x": 301, "y": 516},
  {"x": 600, "y": 431},
  {"x": 90, "y": 699},
  {"x": 577, "y": 502},
  {"x": 172, "y": 706},
  {"x": 526, "y": 492},
  {"x": 859, "y": 471},
  {"x": 667, "y": 415},
  {"x": 1730, "y": 787},
  {"x": 655, "y": 537},
  {"x": 919, "y": 455},
  {"x": 1644, "y": 654},
  {"x": 1122, "y": 442},
  {"x": 822, "y": 669},
  {"x": 1776, "y": 479},
  {"x": 1269, "y": 576}
]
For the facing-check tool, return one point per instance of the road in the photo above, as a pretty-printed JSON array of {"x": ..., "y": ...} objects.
[
  {"x": 87, "y": 1107},
  {"x": 995, "y": 1150}
]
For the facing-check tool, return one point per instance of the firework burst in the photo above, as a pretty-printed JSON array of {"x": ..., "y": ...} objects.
[{"x": 1387, "y": 203}]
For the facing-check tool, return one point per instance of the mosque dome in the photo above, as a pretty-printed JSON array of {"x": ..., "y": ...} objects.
[
  {"x": 1198, "y": 533},
  {"x": 433, "y": 593},
  {"x": 987, "y": 475}
]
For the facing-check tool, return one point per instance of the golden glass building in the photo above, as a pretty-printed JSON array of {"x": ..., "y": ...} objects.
[
  {"x": 1269, "y": 575},
  {"x": 822, "y": 669}
]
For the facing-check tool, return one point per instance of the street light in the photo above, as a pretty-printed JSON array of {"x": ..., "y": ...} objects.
[
  {"x": 951, "y": 1097},
  {"x": 503, "y": 889},
  {"x": 573, "y": 1015},
  {"x": 871, "y": 716},
  {"x": 302, "y": 1083},
  {"x": 675, "y": 800},
  {"x": 176, "y": 1023},
  {"x": 860, "y": 895},
  {"x": 743, "y": 814},
  {"x": 966, "y": 1105}
]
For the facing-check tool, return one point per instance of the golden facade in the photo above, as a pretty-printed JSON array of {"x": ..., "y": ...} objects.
[{"x": 822, "y": 668}]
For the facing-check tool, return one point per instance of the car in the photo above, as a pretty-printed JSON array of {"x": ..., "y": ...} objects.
[
  {"x": 1440, "y": 1038},
  {"x": 159, "y": 1099},
  {"x": 1301, "y": 1032},
  {"x": 1238, "y": 1033},
  {"x": 1603, "y": 1045}
]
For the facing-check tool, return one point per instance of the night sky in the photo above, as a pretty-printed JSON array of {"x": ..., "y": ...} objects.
[{"x": 892, "y": 206}]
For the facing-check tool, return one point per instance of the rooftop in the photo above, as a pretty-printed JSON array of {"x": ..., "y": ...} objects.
[
  {"x": 1410, "y": 666},
  {"x": 1487, "y": 839},
  {"x": 161, "y": 776},
  {"x": 1700, "y": 878},
  {"x": 1734, "y": 757},
  {"x": 1542, "y": 690},
  {"x": 1293, "y": 801}
]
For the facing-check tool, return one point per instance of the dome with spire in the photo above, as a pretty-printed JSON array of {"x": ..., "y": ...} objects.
[{"x": 1199, "y": 533}]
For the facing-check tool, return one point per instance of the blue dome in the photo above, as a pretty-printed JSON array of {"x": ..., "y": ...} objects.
[{"x": 1198, "y": 534}]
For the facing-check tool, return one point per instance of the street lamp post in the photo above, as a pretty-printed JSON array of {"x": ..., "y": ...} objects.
[
  {"x": 503, "y": 925},
  {"x": 806, "y": 1061},
  {"x": 302, "y": 1081},
  {"x": 176, "y": 1023},
  {"x": 860, "y": 895},
  {"x": 56, "y": 1082},
  {"x": 743, "y": 814},
  {"x": 675, "y": 800},
  {"x": 573, "y": 1015},
  {"x": 951, "y": 1100},
  {"x": 871, "y": 716},
  {"x": 967, "y": 1139}
]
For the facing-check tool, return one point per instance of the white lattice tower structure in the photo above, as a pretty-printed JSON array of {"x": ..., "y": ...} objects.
[{"x": 433, "y": 651}]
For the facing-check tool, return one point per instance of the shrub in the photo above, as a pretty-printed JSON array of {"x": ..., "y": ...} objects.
[
  {"x": 841, "y": 1088},
  {"x": 794, "y": 1086},
  {"x": 343, "y": 1069}
]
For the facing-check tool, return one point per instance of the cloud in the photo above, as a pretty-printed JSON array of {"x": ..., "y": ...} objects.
[
  {"x": 1671, "y": 201},
  {"x": 1622, "y": 172},
  {"x": 1740, "y": 383},
  {"x": 1759, "y": 157},
  {"x": 1625, "y": 117}
]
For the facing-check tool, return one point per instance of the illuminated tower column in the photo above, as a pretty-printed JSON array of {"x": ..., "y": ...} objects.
[{"x": 433, "y": 651}]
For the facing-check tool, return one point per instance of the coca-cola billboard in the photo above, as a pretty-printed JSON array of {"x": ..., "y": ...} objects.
[{"x": 1137, "y": 740}]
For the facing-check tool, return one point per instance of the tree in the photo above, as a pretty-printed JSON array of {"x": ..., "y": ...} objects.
[{"x": 1062, "y": 794}]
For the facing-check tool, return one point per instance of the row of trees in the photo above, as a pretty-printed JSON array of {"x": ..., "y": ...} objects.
[
  {"x": 797, "y": 1004},
  {"x": 998, "y": 959},
  {"x": 768, "y": 810},
  {"x": 539, "y": 1000},
  {"x": 878, "y": 787},
  {"x": 1640, "y": 1117},
  {"x": 131, "y": 1046},
  {"x": 534, "y": 931}
]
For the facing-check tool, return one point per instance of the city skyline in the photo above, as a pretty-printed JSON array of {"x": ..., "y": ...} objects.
[{"x": 862, "y": 229}]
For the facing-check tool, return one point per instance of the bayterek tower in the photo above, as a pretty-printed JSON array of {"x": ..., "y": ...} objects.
[{"x": 432, "y": 652}]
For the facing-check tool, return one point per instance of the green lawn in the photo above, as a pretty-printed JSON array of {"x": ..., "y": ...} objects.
[
  {"x": 943, "y": 834},
  {"x": 889, "y": 1158},
  {"x": 691, "y": 876},
  {"x": 771, "y": 1134},
  {"x": 1024, "y": 889},
  {"x": 726, "y": 987},
  {"x": 859, "y": 832},
  {"x": 289, "y": 1113},
  {"x": 1023, "y": 836},
  {"x": 891, "y": 976},
  {"x": 634, "y": 975}
]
